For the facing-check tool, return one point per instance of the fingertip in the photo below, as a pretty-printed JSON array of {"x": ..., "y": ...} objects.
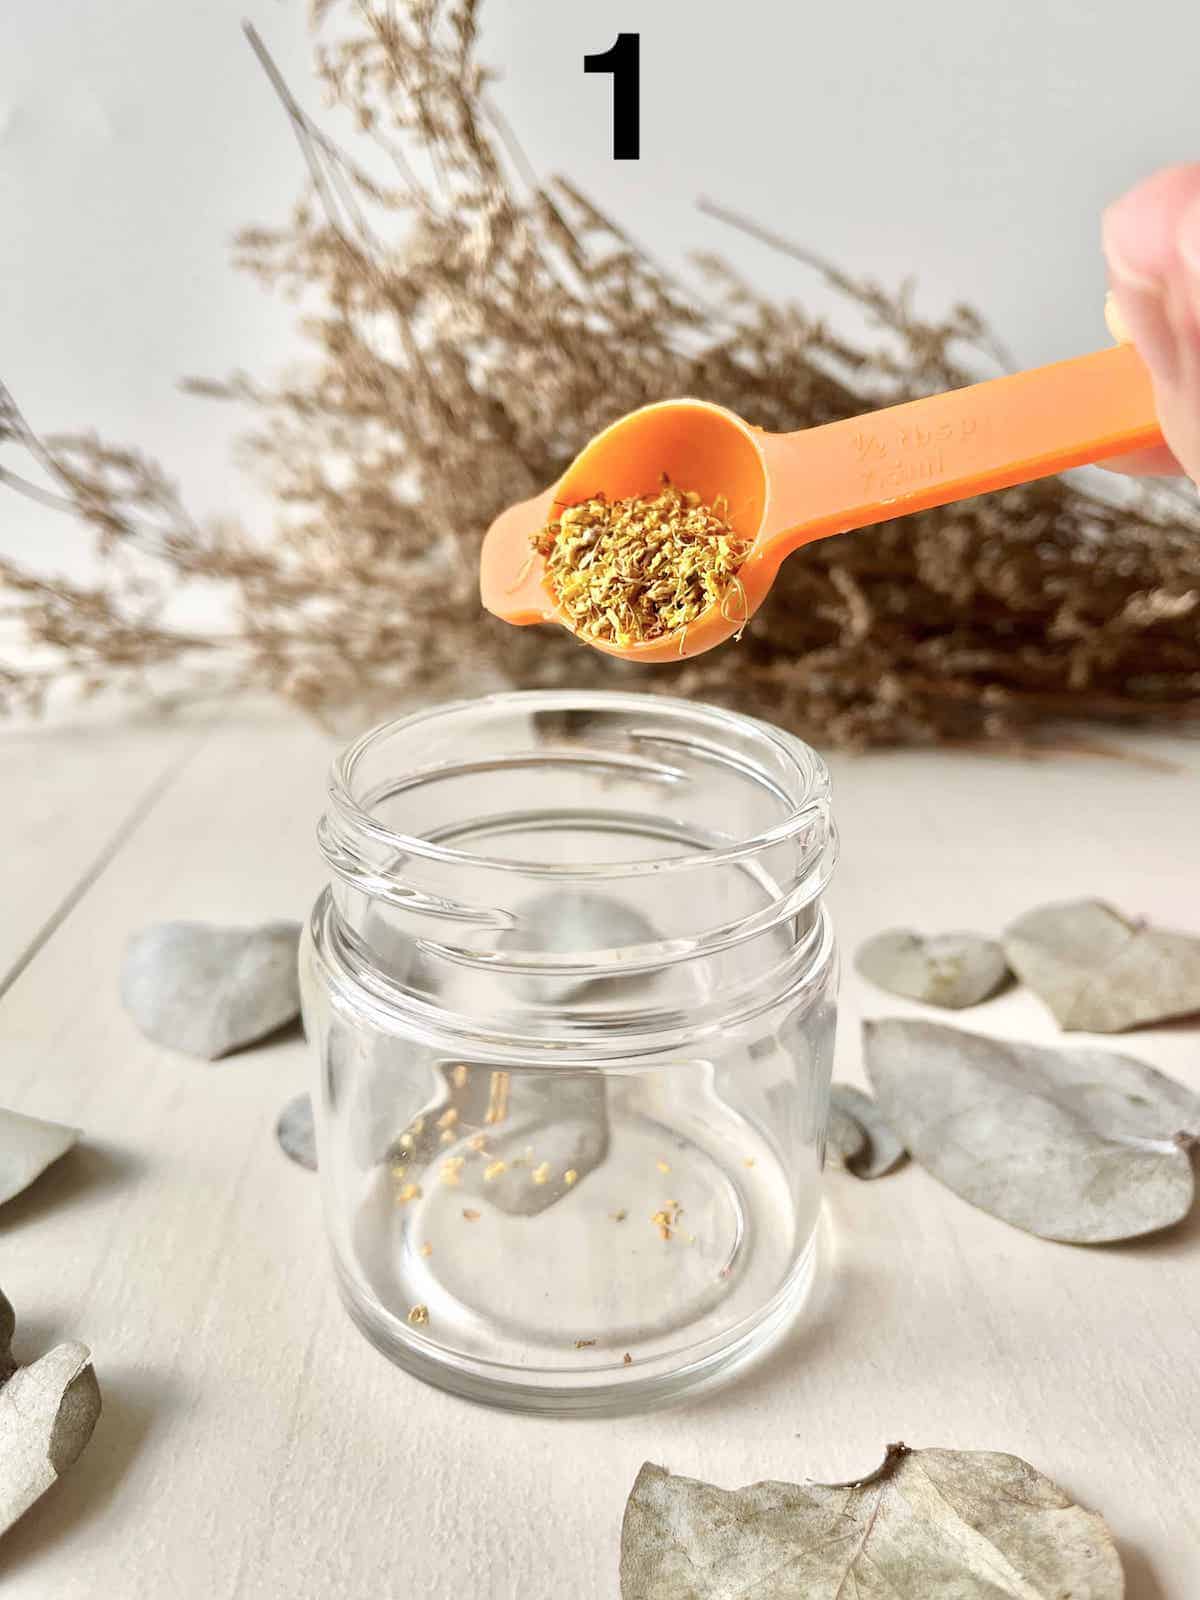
[
  {"x": 1140, "y": 230},
  {"x": 1143, "y": 315},
  {"x": 1188, "y": 237},
  {"x": 1152, "y": 244}
]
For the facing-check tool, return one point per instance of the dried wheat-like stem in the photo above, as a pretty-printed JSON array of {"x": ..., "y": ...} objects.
[{"x": 473, "y": 328}]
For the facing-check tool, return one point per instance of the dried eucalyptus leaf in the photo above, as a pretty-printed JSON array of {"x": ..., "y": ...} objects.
[
  {"x": 947, "y": 969},
  {"x": 554, "y": 1132},
  {"x": 8, "y": 1325},
  {"x": 475, "y": 1099},
  {"x": 47, "y": 1413},
  {"x": 1079, "y": 1145},
  {"x": 1101, "y": 973},
  {"x": 207, "y": 990},
  {"x": 27, "y": 1147},
  {"x": 928, "y": 1525},
  {"x": 296, "y": 1134},
  {"x": 881, "y": 1151},
  {"x": 565, "y": 923},
  {"x": 519, "y": 1141}
]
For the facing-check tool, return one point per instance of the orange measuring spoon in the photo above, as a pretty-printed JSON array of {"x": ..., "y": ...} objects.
[{"x": 786, "y": 489}]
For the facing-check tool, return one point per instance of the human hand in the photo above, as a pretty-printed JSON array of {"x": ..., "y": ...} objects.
[{"x": 1152, "y": 246}]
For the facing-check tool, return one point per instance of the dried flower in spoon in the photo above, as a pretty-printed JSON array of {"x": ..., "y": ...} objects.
[{"x": 623, "y": 571}]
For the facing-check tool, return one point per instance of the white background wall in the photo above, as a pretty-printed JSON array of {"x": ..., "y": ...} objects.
[{"x": 975, "y": 143}]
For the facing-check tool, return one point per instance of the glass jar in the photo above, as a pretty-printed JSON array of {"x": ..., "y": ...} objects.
[{"x": 572, "y": 994}]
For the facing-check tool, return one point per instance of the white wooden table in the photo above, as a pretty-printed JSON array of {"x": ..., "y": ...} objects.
[{"x": 252, "y": 1444}]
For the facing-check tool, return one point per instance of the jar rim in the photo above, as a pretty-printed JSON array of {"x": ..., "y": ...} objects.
[{"x": 802, "y": 760}]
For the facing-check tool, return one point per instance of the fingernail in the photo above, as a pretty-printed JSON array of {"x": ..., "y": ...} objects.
[{"x": 1116, "y": 323}]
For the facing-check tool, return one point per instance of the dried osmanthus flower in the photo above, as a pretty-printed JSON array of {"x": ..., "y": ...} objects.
[
  {"x": 468, "y": 329},
  {"x": 624, "y": 571}
]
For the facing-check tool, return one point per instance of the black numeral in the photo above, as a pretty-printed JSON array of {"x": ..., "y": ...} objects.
[{"x": 622, "y": 62}]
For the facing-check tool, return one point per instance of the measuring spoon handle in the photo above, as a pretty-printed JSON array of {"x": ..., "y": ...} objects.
[{"x": 947, "y": 447}]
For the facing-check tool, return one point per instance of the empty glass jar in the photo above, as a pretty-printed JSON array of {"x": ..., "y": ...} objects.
[{"x": 572, "y": 994}]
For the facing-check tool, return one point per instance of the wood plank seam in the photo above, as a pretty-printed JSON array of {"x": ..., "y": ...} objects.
[{"x": 103, "y": 859}]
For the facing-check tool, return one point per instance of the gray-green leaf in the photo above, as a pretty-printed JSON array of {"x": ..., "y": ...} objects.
[
  {"x": 945, "y": 969},
  {"x": 877, "y": 1150},
  {"x": 295, "y": 1132},
  {"x": 1101, "y": 973},
  {"x": 928, "y": 1525},
  {"x": 845, "y": 1136},
  {"x": 47, "y": 1413},
  {"x": 1079, "y": 1145},
  {"x": 208, "y": 990}
]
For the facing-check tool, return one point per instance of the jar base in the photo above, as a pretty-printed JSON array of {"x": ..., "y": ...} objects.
[
  {"x": 603, "y": 1391},
  {"x": 603, "y": 1234}
]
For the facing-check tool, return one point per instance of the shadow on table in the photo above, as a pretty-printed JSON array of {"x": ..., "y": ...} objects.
[
  {"x": 131, "y": 1406},
  {"x": 286, "y": 1033},
  {"x": 1140, "y": 1582},
  {"x": 85, "y": 1172},
  {"x": 818, "y": 1325}
]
